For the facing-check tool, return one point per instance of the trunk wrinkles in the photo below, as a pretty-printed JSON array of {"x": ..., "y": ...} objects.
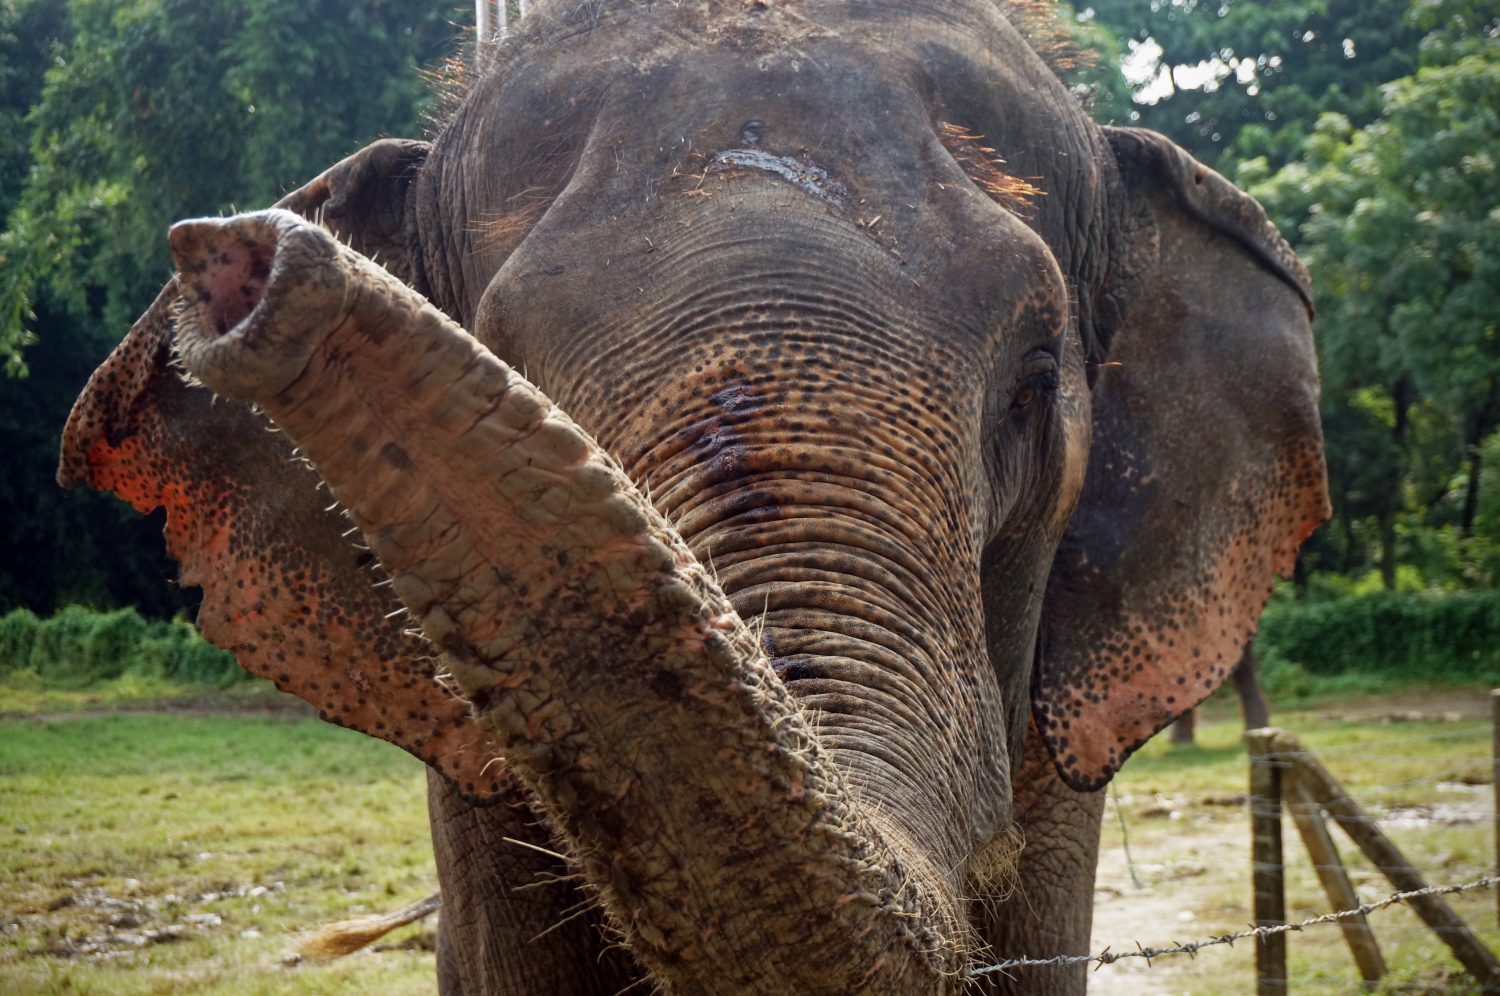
[
  {"x": 621, "y": 684},
  {"x": 812, "y": 438}
]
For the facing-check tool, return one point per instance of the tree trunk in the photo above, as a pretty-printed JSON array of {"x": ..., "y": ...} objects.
[
  {"x": 1183, "y": 729},
  {"x": 1253, "y": 705},
  {"x": 1401, "y": 400},
  {"x": 1388, "y": 551},
  {"x": 1471, "y": 493}
]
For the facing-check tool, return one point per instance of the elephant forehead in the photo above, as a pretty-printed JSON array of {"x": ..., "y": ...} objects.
[{"x": 919, "y": 131}]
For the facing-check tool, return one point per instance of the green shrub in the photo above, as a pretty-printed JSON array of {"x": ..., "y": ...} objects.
[
  {"x": 111, "y": 645},
  {"x": 153, "y": 657},
  {"x": 1427, "y": 638},
  {"x": 78, "y": 648},
  {"x": 60, "y": 652},
  {"x": 194, "y": 660},
  {"x": 17, "y": 634}
]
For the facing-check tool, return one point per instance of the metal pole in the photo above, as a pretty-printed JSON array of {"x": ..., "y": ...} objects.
[{"x": 482, "y": 27}]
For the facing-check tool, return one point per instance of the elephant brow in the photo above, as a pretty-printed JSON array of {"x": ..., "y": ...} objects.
[{"x": 984, "y": 166}]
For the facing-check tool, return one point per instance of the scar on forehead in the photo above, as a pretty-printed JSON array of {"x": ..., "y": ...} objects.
[{"x": 984, "y": 166}]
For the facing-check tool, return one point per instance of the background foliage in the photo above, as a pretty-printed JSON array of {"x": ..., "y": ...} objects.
[
  {"x": 117, "y": 117},
  {"x": 79, "y": 648},
  {"x": 1370, "y": 129}
]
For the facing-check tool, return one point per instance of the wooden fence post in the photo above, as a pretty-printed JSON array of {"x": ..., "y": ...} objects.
[
  {"x": 1438, "y": 915},
  {"x": 1495, "y": 782},
  {"x": 1266, "y": 861},
  {"x": 1308, "y": 816}
]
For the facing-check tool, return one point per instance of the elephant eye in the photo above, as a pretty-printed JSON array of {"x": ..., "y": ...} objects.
[{"x": 1038, "y": 378}]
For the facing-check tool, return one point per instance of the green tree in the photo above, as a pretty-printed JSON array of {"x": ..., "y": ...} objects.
[
  {"x": 116, "y": 118},
  {"x": 1399, "y": 222},
  {"x": 1234, "y": 79},
  {"x": 153, "y": 110}
]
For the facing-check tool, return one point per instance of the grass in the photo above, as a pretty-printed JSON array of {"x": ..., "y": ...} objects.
[
  {"x": 181, "y": 847},
  {"x": 181, "y": 854},
  {"x": 25, "y": 693}
]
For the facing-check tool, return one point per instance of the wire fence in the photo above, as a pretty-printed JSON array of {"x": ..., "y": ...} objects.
[
  {"x": 1109, "y": 957},
  {"x": 1421, "y": 815}
]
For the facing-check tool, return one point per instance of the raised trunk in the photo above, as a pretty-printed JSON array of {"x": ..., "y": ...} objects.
[{"x": 621, "y": 685}]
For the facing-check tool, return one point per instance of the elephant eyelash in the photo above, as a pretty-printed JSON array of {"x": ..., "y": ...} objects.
[{"x": 986, "y": 169}]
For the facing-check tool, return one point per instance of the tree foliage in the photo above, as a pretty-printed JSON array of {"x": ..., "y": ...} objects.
[
  {"x": 1399, "y": 222},
  {"x": 1369, "y": 129},
  {"x": 1234, "y": 79},
  {"x": 151, "y": 110},
  {"x": 116, "y": 118}
]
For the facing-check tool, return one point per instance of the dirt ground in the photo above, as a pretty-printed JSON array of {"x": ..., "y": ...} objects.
[{"x": 1178, "y": 870}]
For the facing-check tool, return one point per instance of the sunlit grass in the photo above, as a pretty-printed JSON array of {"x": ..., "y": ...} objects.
[
  {"x": 25, "y": 693},
  {"x": 213, "y": 840}
]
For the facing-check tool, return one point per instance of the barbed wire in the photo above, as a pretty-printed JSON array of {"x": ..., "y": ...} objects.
[
  {"x": 1276, "y": 760},
  {"x": 1476, "y": 729},
  {"x": 1108, "y": 957}
]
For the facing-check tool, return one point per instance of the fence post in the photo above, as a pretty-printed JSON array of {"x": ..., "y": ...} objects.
[
  {"x": 1438, "y": 915},
  {"x": 1308, "y": 816},
  {"x": 1495, "y": 780},
  {"x": 1266, "y": 869}
]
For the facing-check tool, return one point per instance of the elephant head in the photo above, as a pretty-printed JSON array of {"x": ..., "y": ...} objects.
[{"x": 924, "y": 444}]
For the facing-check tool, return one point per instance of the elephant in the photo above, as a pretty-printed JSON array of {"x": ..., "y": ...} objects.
[{"x": 858, "y": 453}]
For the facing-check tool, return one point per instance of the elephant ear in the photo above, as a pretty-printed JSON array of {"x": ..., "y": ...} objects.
[
  {"x": 248, "y": 522},
  {"x": 1206, "y": 468},
  {"x": 363, "y": 200}
]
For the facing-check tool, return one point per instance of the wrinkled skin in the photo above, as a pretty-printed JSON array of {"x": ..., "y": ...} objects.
[{"x": 823, "y": 505}]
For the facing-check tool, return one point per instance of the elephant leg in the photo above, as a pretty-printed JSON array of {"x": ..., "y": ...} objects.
[
  {"x": 514, "y": 919},
  {"x": 1049, "y": 911}
]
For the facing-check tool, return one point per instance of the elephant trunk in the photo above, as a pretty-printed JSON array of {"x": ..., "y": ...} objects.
[{"x": 619, "y": 681}]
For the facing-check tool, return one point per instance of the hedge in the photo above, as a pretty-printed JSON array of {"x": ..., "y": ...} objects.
[
  {"x": 79, "y": 647},
  {"x": 1426, "y": 638}
]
